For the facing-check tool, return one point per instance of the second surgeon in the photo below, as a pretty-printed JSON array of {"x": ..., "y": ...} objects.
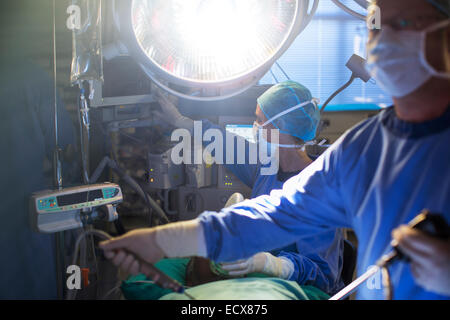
[{"x": 289, "y": 108}]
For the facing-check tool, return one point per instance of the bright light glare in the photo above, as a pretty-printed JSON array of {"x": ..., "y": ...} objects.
[{"x": 211, "y": 40}]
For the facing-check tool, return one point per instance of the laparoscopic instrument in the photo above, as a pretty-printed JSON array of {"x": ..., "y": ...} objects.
[
  {"x": 149, "y": 270},
  {"x": 432, "y": 224}
]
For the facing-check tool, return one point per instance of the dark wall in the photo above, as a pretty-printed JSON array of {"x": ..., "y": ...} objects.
[
  {"x": 27, "y": 265},
  {"x": 26, "y": 32}
]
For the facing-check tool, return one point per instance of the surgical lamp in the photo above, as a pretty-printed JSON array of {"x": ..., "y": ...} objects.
[
  {"x": 209, "y": 50},
  {"x": 362, "y": 3}
]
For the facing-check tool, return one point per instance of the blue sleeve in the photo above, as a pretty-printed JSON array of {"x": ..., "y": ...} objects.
[
  {"x": 309, "y": 273},
  {"x": 247, "y": 173},
  {"x": 308, "y": 205},
  {"x": 318, "y": 262}
]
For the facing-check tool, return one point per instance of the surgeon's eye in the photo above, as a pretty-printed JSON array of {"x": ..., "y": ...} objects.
[
  {"x": 416, "y": 23},
  {"x": 402, "y": 24}
]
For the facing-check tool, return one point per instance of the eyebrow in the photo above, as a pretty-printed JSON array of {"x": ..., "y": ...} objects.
[{"x": 408, "y": 14}]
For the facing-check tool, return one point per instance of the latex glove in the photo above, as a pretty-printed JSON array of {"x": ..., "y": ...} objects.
[
  {"x": 141, "y": 243},
  {"x": 234, "y": 199},
  {"x": 430, "y": 258},
  {"x": 151, "y": 245},
  {"x": 170, "y": 113},
  {"x": 263, "y": 262}
]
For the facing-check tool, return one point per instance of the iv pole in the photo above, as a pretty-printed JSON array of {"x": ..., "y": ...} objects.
[{"x": 57, "y": 174}]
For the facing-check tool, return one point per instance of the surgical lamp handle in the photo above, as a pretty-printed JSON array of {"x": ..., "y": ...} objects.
[
  {"x": 345, "y": 86},
  {"x": 356, "y": 65}
]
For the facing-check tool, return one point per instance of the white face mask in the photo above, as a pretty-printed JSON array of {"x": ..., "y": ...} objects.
[
  {"x": 258, "y": 133},
  {"x": 397, "y": 60}
]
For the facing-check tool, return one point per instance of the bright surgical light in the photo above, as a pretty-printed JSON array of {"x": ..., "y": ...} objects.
[
  {"x": 211, "y": 40},
  {"x": 213, "y": 48}
]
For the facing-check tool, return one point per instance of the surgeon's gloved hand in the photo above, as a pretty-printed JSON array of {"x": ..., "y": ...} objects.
[
  {"x": 124, "y": 250},
  {"x": 263, "y": 262},
  {"x": 176, "y": 240},
  {"x": 430, "y": 258},
  {"x": 170, "y": 113}
]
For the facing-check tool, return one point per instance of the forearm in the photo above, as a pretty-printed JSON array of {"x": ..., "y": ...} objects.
[
  {"x": 181, "y": 239},
  {"x": 309, "y": 204},
  {"x": 246, "y": 229}
]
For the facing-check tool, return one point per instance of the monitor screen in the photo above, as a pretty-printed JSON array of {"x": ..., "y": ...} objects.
[{"x": 79, "y": 197}]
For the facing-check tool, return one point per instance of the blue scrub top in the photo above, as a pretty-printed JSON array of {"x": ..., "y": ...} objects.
[
  {"x": 379, "y": 175},
  {"x": 317, "y": 258}
]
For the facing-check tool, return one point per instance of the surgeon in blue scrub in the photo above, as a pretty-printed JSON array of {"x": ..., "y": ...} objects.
[
  {"x": 290, "y": 109},
  {"x": 377, "y": 177}
]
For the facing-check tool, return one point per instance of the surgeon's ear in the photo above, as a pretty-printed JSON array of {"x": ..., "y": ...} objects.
[{"x": 437, "y": 49}]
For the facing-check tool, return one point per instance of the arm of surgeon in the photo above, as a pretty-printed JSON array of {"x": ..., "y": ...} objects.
[{"x": 261, "y": 224}]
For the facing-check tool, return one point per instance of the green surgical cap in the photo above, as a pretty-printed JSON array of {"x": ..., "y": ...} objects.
[{"x": 302, "y": 122}]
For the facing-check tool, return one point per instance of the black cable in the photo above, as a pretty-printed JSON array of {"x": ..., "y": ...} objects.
[
  {"x": 119, "y": 226},
  {"x": 345, "y": 86},
  {"x": 112, "y": 163},
  {"x": 151, "y": 204}
]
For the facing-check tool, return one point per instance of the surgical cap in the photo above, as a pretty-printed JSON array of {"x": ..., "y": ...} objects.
[{"x": 301, "y": 123}]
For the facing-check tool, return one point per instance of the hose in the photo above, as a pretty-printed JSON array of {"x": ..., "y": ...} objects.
[
  {"x": 345, "y": 86},
  {"x": 71, "y": 295},
  {"x": 151, "y": 204}
]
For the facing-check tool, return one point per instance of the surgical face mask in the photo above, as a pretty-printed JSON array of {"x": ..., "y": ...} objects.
[
  {"x": 397, "y": 60},
  {"x": 258, "y": 132}
]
